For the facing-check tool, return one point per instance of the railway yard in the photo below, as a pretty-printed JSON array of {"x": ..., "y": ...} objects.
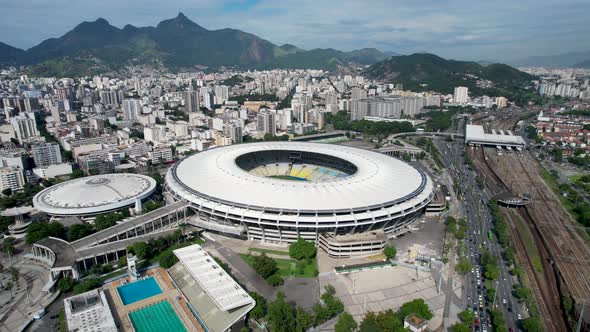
[{"x": 557, "y": 262}]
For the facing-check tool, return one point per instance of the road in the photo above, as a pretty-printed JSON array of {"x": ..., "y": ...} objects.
[{"x": 475, "y": 203}]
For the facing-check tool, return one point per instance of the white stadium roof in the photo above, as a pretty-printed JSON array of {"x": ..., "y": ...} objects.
[
  {"x": 223, "y": 290},
  {"x": 475, "y": 134},
  {"x": 214, "y": 175},
  {"x": 94, "y": 194}
]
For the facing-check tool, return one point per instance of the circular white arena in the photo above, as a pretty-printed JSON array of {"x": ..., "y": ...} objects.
[
  {"x": 278, "y": 191},
  {"x": 94, "y": 195}
]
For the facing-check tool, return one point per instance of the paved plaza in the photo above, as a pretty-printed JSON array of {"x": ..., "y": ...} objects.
[{"x": 388, "y": 288}]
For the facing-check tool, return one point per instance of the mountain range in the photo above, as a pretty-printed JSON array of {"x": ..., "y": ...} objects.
[
  {"x": 571, "y": 59},
  {"x": 428, "y": 72},
  {"x": 176, "y": 44}
]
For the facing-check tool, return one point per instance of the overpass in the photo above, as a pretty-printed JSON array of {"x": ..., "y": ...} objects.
[
  {"x": 308, "y": 138},
  {"x": 396, "y": 150},
  {"x": 76, "y": 258},
  {"x": 392, "y": 137}
]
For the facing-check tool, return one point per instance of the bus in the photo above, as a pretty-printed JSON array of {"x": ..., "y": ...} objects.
[{"x": 490, "y": 235}]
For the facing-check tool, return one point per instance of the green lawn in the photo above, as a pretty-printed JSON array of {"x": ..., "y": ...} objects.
[
  {"x": 287, "y": 267},
  {"x": 269, "y": 251}
]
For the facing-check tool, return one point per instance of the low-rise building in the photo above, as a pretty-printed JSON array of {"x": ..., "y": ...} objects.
[{"x": 89, "y": 312}]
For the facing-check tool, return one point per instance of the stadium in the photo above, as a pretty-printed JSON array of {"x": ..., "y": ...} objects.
[
  {"x": 275, "y": 192},
  {"x": 93, "y": 195}
]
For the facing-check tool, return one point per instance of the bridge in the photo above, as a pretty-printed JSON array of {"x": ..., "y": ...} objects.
[
  {"x": 394, "y": 150},
  {"x": 76, "y": 258},
  {"x": 510, "y": 200},
  {"x": 453, "y": 136}
]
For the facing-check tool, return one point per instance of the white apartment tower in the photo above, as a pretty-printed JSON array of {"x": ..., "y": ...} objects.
[
  {"x": 266, "y": 122},
  {"x": 24, "y": 126},
  {"x": 46, "y": 154},
  {"x": 132, "y": 109},
  {"x": 192, "y": 101},
  {"x": 461, "y": 95}
]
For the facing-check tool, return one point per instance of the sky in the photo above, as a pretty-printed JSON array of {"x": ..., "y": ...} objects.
[{"x": 497, "y": 30}]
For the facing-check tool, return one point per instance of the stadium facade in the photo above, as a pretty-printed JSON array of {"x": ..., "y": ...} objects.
[{"x": 275, "y": 192}]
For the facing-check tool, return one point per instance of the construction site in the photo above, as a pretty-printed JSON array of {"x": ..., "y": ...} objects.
[{"x": 551, "y": 248}]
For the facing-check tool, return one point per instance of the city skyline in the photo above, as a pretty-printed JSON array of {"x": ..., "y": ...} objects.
[{"x": 454, "y": 29}]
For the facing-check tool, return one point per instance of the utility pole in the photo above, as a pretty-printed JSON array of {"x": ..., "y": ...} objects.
[{"x": 495, "y": 293}]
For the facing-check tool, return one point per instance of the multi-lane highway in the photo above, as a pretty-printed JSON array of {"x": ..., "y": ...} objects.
[{"x": 477, "y": 212}]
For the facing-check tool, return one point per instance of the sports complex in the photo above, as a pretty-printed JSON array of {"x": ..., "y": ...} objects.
[
  {"x": 89, "y": 196},
  {"x": 275, "y": 192}
]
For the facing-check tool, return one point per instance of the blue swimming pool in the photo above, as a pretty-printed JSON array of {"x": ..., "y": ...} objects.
[{"x": 139, "y": 290}]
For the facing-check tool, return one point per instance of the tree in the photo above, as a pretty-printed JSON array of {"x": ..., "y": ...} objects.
[
  {"x": 557, "y": 155},
  {"x": 67, "y": 284},
  {"x": 532, "y": 324},
  {"x": 491, "y": 271},
  {"x": 9, "y": 244},
  {"x": 122, "y": 261},
  {"x": 141, "y": 249},
  {"x": 15, "y": 275},
  {"x": 264, "y": 265},
  {"x": 7, "y": 192},
  {"x": 418, "y": 307},
  {"x": 320, "y": 314},
  {"x": 459, "y": 327},
  {"x": 79, "y": 231},
  {"x": 259, "y": 309},
  {"x": 87, "y": 285},
  {"x": 345, "y": 323},
  {"x": 167, "y": 258},
  {"x": 463, "y": 266},
  {"x": 333, "y": 304},
  {"x": 302, "y": 249},
  {"x": 390, "y": 252},
  {"x": 275, "y": 280},
  {"x": 522, "y": 293},
  {"x": 281, "y": 316},
  {"x": 304, "y": 320},
  {"x": 39, "y": 231},
  {"x": 468, "y": 317}
]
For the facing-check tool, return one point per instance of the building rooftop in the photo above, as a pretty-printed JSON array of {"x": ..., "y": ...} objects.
[
  {"x": 214, "y": 175},
  {"x": 89, "y": 312},
  {"x": 223, "y": 289},
  {"x": 94, "y": 194},
  {"x": 475, "y": 134}
]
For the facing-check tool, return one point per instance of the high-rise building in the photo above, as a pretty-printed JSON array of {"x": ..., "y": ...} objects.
[
  {"x": 234, "y": 131},
  {"x": 386, "y": 107},
  {"x": 24, "y": 126},
  {"x": 131, "y": 109},
  {"x": 156, "y": 133},
  {"x": 221, "y": 94},
  {"x": 192, "y": 101},
  {"x": 266, "y": 122},
  {"x": 11, "y": 178},
  {"x": 46, "y": 154},
  {"x": 357, "y": 93},
  {"x": 461, "y": 95}
]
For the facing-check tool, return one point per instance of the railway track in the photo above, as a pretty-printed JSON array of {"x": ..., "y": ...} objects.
[
  {"x": 544, "y": 285},
  {"x": 570, "y": 252}
]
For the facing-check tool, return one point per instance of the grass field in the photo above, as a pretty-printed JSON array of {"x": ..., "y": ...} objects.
[
  {"x": 269, "y": 251},
  {"x": 287, "y": 267},
  {"x": 530, "y": 245}
]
